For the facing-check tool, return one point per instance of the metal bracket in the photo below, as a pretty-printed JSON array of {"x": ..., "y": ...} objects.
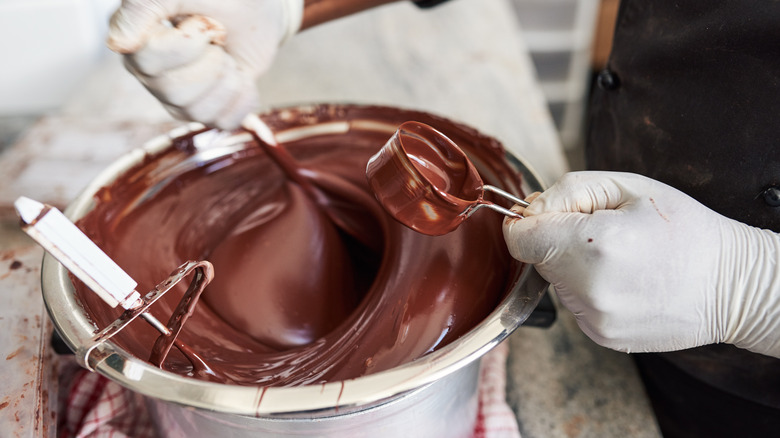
[{"x": 87, "y": 352}]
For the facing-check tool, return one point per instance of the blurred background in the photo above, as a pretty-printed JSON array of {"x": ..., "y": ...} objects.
[
  {"x": 50, "y": 47},
  {"x": 569, "y": 42}
]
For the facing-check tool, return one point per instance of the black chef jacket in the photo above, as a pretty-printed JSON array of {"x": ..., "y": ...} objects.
[{"x": 691, "y": 97}]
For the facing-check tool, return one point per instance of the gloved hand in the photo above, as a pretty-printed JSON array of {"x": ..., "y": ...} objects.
[
  {"x": 645, "y": 268},
  {"x": 197, "y": 68}
]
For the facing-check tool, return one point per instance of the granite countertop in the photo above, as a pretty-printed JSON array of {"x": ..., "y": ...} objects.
[{"x": 444, "y": 61}]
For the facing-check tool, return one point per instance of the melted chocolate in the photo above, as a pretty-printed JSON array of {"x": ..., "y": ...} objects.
[{"x": 296, "y": 297}]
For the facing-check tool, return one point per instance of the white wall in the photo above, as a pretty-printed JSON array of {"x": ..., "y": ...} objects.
[{"x": 47, "y": 48}]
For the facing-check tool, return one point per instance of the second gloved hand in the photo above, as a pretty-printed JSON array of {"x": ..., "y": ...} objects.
[
  {"x": 200, "y": 58},
  {"x": 644, "y": 267}
]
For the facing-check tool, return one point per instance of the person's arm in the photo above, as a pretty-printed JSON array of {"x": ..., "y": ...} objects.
[
  {"x": 646, "y": 268},
  {"x": 320, "y": 11}
]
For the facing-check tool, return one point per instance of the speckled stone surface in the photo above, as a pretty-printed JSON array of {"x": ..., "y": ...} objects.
[{"x": 561, "y": 384}]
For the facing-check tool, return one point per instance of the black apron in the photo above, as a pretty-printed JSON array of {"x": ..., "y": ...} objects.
[{"x": 691, "y": 97}]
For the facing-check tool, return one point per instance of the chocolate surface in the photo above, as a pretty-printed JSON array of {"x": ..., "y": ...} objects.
[{"x": 304, "y": 291}]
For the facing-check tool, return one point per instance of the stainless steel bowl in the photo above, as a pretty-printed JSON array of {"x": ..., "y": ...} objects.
[{"x": 432, "y": 396}]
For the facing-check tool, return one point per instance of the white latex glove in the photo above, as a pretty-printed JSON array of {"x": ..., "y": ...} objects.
[
  {"x": 644, "y": 267},
  {"x": 203, "y": 68}
]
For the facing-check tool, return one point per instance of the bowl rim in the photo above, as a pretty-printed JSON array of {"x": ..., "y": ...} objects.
[{"x": 318, "y": 400}]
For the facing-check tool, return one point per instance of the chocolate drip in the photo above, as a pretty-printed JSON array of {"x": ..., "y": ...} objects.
[{"x": 201, "y": 277}]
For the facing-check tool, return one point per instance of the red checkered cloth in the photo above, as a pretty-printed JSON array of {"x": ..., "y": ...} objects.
[
  {"x": 495, "y": 419},
  {"x": 99, "y": 408}
]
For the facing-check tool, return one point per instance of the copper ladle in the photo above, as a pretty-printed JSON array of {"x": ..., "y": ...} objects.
[{"x": 426, "y": 182}]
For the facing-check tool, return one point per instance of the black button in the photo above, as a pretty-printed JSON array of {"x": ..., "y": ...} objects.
[
  {"x": 772, "y": 196},
  {"x": 424, "y": 4},
  {"x": 608, "y": 80}
]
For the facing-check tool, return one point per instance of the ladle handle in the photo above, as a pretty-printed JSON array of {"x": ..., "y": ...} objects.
[
  {"x": 498, "y": 208},
  {"x": 506, "y": 195}
]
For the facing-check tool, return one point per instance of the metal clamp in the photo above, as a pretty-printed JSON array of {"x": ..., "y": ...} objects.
[{"x": 86, "y": 352}]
